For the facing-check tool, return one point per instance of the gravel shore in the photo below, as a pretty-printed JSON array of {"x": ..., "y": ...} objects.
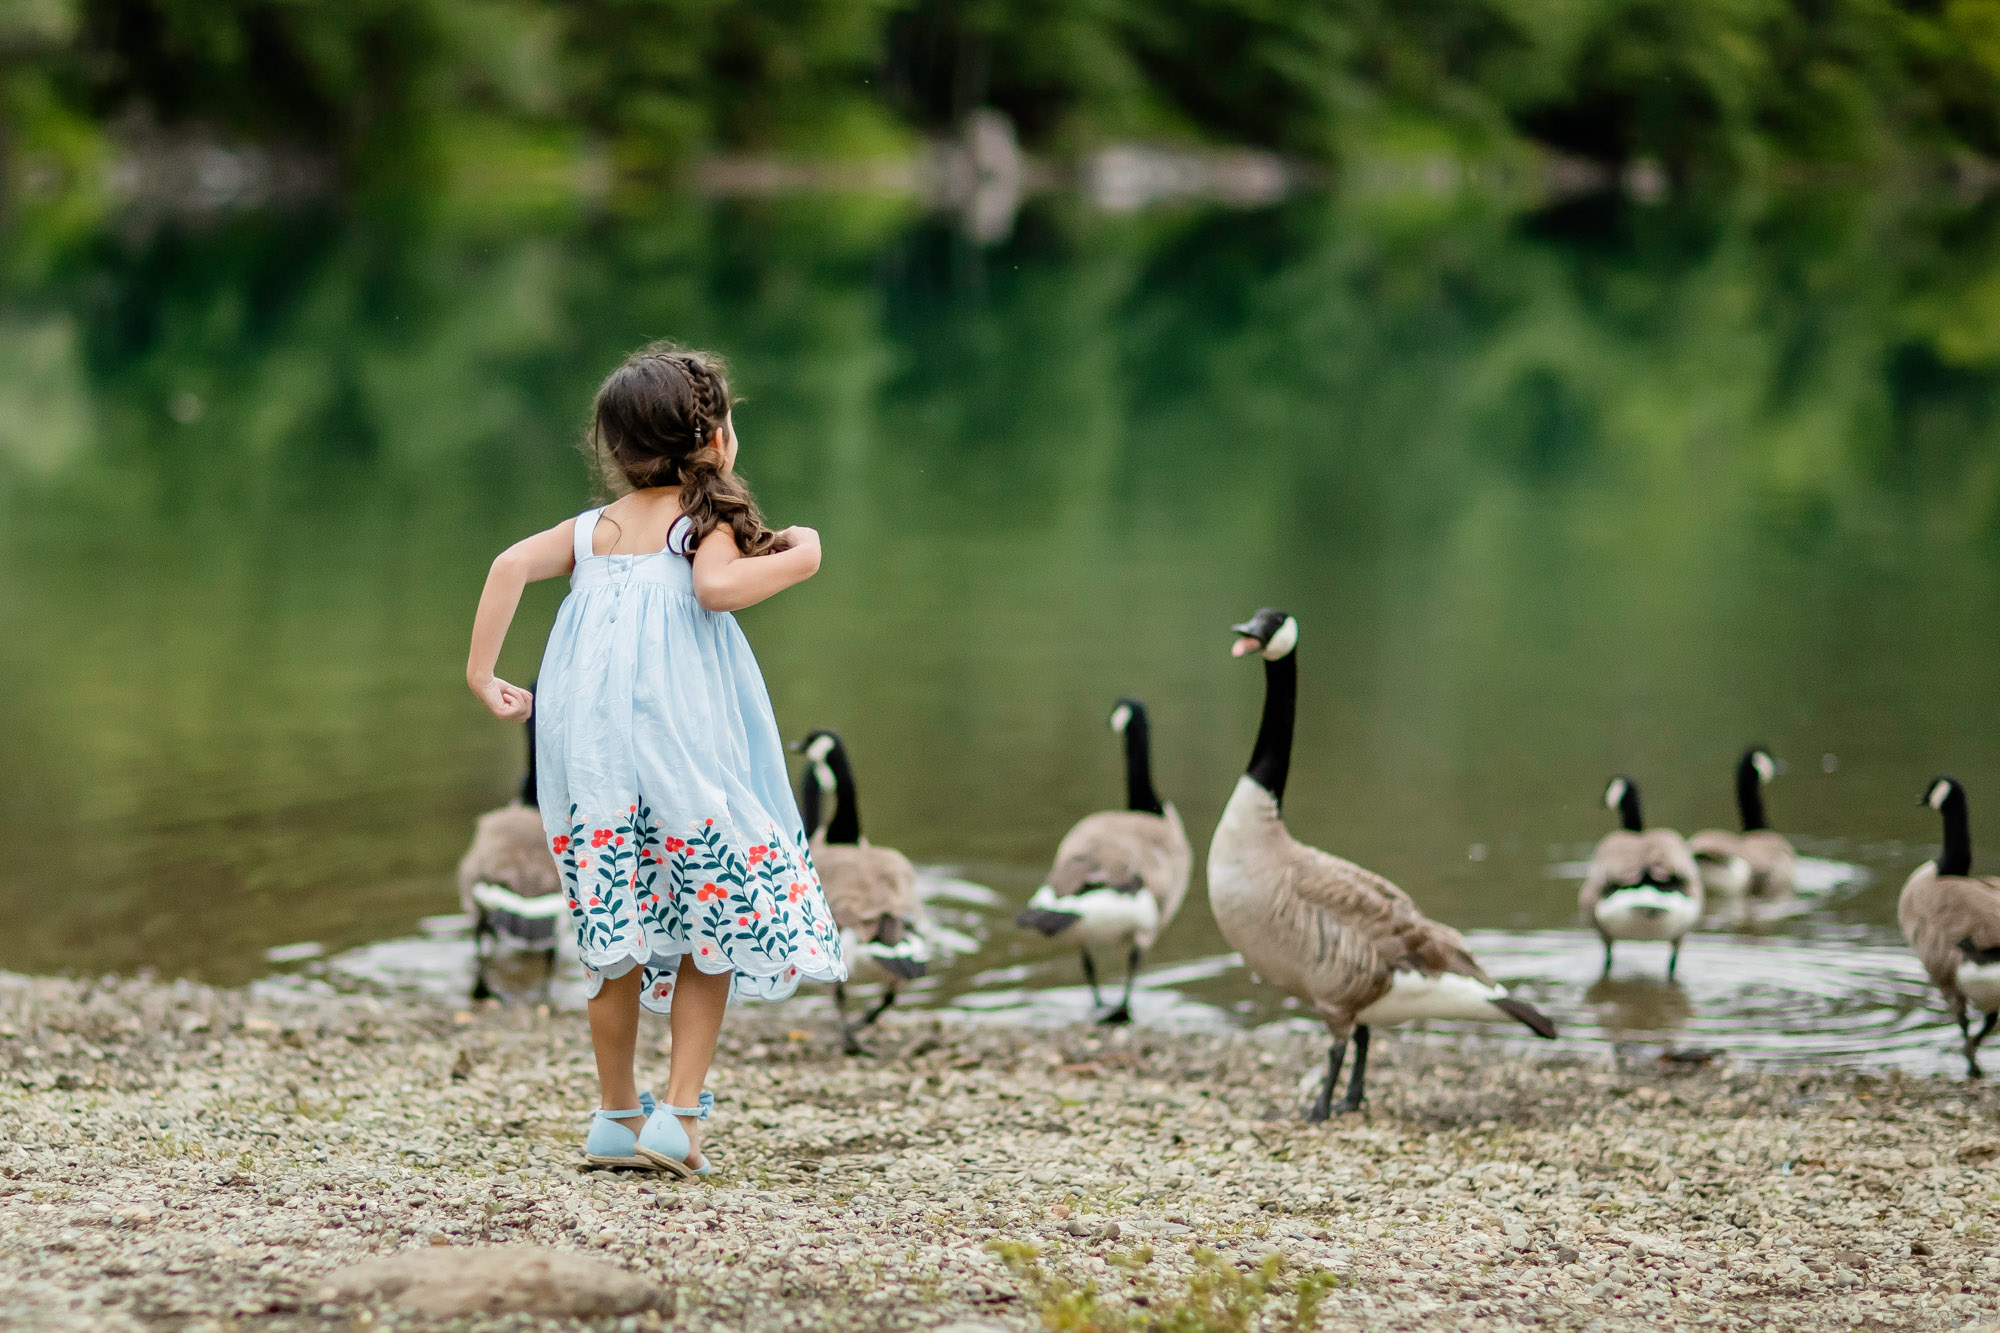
[{"x": 173, "y": 1157}]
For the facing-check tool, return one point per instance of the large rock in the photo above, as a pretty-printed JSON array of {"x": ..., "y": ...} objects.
[{"x": 446, "y": 1280}]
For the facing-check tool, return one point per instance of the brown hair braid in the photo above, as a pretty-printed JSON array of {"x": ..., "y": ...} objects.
[{"x": 656, "y": 422}]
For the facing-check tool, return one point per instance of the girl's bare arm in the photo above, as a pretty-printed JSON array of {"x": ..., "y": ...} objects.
[
  {"x": 727, "y": 580},
  {"x": 542, "y": 556}
]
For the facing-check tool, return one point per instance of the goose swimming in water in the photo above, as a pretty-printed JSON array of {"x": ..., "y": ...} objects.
[
  {"x": 871, "y": 891},
  {"x": 508, "y": 883},
  {"x": 1951, "y": 918},
  {"x": 1344, "y": 940},
  {"x": 1642, "y": 883},
  {"x": 1119, "y": 875},
  {"x": 1756, "y": 863}
]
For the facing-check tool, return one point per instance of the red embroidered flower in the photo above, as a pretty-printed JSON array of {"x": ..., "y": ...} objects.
[
  {"x": 708, "y": 823},
  {"x": 710, "y": 890},
  {"x": 797, "y": 891},
  {"x": 758, "y": 853},
  {"x": 653, "y": 901},
  {"x": 662, "y": 989},
  {"x": 560, "y": 844},
  {"x": 631, "y": 809},
  {"x": 704, "y": 951},
  {"x": 583, "y": 863},
  {"x": 674, "y": 844},
  {"x": 742, "y": 920},
  {"x": 618, "y": 841},
  {"x": 599, "y": 837},
  {"x": 593, "y": 902}
]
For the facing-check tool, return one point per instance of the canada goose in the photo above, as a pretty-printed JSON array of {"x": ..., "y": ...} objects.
[
  {"x": 1346, "y": 941},
  {"x": 1119, "y": 875},
  {"x": 871, "y": 891},
  {"x": 1756, "y": 863},
  {"x": 1643, "y": 884},
  {"x": 508, "y": 883},
  {"x": 1952, "y": 920}
]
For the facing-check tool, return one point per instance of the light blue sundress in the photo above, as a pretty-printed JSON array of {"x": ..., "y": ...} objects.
[{"x": 663, "y": 787}]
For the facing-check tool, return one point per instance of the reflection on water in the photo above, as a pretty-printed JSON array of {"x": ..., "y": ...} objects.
[{"x": 1601, "y": 489}]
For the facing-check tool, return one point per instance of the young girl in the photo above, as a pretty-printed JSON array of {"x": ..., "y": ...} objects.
[{"x": 661, "y": 774}]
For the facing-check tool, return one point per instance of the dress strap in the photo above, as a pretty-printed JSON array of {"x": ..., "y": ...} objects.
[
  {"x": 586, "y": 524},
  {"x": 680, "y": 537}
]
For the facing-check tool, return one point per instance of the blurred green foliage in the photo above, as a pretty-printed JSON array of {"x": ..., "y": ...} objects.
[{"x": 1706, "y": 87}]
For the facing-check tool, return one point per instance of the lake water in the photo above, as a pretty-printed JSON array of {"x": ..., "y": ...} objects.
[{"x": 1554, "y": 494}]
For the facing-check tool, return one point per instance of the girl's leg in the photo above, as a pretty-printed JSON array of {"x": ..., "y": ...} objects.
[
  {"x": 614, "y": 1034},
  {"x": 696, "y": 1022}
]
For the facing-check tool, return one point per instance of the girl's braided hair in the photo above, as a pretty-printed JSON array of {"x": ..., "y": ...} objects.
[{"x": 657, "y": 422}]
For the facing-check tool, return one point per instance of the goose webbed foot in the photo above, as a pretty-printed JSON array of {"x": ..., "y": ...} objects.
[
  {"x": 1973, "y": 1042},
  {"x": 1322, "y": 1107},
  {"x": 888, "y": 998},
  {"x": 1122, "y": 1012},
  {"x": 480, "y": 990},
  {"x": 849, "y": 1044}
]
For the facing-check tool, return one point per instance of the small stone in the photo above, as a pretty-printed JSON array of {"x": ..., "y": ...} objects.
[
  {"x": 134, "y": 1214},
  {"x": 1920, "y": 1250},
  {"x": 1983, "y": 1150},
  {"x": 1077, "y": 1227},
  {"x": 1111, "y": 1231},
  {"x": 1567, "y": 1254},
  {"x": 498, "y": 1279},
  {"x": 1059, "y": 1211},
  {"x": 1853, "y": 1259}
]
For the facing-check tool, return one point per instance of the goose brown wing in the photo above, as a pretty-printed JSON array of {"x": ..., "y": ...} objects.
[
  {"x": 862, "y": 883},
  {"x": 1121, "y": 849},
  {"x": 1955, "y": 920},
  {"x": 508, "y": 850}
]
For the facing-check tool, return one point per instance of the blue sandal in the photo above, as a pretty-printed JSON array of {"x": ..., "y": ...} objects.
[
  {"x": 610, "y": 1143},
  {"x": 663, "y": 1143}
]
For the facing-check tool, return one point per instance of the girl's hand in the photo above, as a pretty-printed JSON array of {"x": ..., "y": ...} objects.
[
  {"x": 799, "y": 536},
  {"x": 509, "y": 703}
]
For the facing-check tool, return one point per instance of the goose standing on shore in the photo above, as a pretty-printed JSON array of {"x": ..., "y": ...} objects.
[
  {"x": 1119, "y": 875},
  {"x": 1756, "y": 863},
  {"x": 1643, "y": 883},
  {"x": 1952, "y": 920},
  {"x": 508, "y": 884},
  {"x": 871, "y": 891},
  {"x": 1344, "y": 940}
]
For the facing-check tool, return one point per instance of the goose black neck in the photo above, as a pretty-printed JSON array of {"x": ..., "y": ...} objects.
[
  {"x": 1628, "y": 810},
  {"x": 845, "y": 826},
  {"x": 1750, "y": 796},
  {"x": 1956, "y": 859},
  {"x": 528, "y": 792},
  {"x": 1271, "y": 759},
  {"x": 809, "y": 800},
  {"x": 1139, "y": 793}
]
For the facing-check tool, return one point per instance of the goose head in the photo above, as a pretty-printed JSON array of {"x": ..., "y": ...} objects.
[
  {"x": 1940, "y": 792},
  {"x": 1622, "y": 794},
  {"x": 1271, "y": 633},
  {"x": 1126, "y": 713},
  {"x": 819, "y": 747},
  {"x": 1759, "y": 761}
]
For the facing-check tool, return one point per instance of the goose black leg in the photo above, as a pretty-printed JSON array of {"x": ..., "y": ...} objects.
[
  {"x": 1123, "y": 1013},
  {"x": 481, "y": 933},
  {"x": 1357, "y": 1087},
  {"x": 1673, "y": 960},
  {"x": 1090, "y": 975},
  {"x": 1972, "y": 1069},
  {"x": 1607, "y": 961},
  {"x": 888, "y": 998},
  {"x": 848, "y": 1044},
  {"x": 549, "y": 970},
  {"x": 1323, "y": 1107}
]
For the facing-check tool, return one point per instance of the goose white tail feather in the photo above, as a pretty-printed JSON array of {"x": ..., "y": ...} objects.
[
  {"x": 1104, "y": 917},
  {"x": 1413, "y": 996},
  {"x": 1726, "y": 875},
  {"x": 1646, "y": 913},
  {"x": 1979, "y": 983}
]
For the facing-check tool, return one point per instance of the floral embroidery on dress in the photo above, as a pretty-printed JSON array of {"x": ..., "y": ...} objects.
[{"x": 636, "y": 892}]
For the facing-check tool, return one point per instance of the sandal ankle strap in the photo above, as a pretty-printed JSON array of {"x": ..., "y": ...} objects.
[
  {"x": 699, "y": 1112},
  {"x": 616, "y": 1115}
]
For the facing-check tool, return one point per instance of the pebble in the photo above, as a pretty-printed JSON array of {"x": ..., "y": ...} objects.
[{"x": 168, "y": 1162}]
